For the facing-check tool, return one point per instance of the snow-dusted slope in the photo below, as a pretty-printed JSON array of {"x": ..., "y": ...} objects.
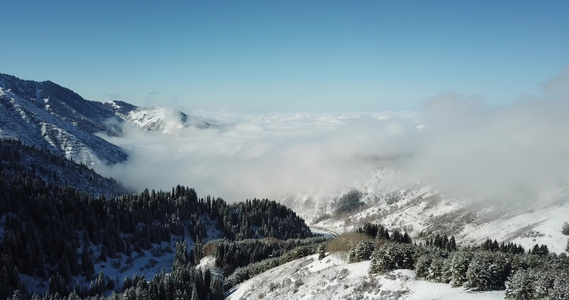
[
  {"x": 35, "y": 122},
  {"x": 422, "y": 209},
  {"x": 155, "y": 119},
  {"x": 333, "y": 278},
  {"x": 46, "y": 115}
]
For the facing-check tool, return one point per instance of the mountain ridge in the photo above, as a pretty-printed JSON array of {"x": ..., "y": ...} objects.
[{"x": 47, "y": 115}]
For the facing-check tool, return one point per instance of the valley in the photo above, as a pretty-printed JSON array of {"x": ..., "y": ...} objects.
[{"x": 68, "y": 232}]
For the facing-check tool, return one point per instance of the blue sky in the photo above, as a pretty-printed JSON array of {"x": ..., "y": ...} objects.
[{"x": 291, "y": 56}]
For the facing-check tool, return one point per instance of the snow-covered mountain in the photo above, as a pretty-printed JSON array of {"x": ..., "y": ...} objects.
[
  {"x": 46, "y": 115},
  {"x": 156, "y": 118}
]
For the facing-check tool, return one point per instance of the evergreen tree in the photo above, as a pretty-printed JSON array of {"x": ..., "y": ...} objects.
[
  {"x": 64, "y": 270},
  {"x": 487, "y": 271},
  {"x": 422, "y": 264},
  {"x": 560, "y": 288},
  {"x": 435, "y": 272},
  {"x": 180, "y": 256},
  {"x": 363, "y": 250},
  {"x": 195, "y": 295},
  {"x": 322, "y": 251},
  {"x": 565, "y": 228},
  {"x": 459, "y": 262},
  {"x": 520, "y": 286},
  {"x": 216, "y": 288}
]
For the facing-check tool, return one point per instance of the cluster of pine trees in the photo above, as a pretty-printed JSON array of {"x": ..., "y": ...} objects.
[
  {"x": 535, "y": 274},
  {"x": 231, "y": 255},
  {"x": 56, "y": 233}
]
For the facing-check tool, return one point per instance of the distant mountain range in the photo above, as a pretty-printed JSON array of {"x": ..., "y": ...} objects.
[{"x": 47, "y": 115}]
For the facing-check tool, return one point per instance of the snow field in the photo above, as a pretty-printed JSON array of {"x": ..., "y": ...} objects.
[{"x": 333, "y": 278}]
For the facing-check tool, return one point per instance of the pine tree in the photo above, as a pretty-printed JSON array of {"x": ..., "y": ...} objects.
[
  {"x": 64, "y": 268},
  {"x": 363, "y": 250},
  {"x": 520, "y": 286},
  {"x": 435, "y": 272},
  {"x": 86, "y": 262},
  {"x": 560, "y": 288},
  {"x": 542, "y": 282},
  {"x": 452, "y": 244},
  {"x": 487, "y": 271},
  {"x": 352, "y": 257},
  {"x": 216, "y": 288},
  {"x": 422, "y": 265},
  {"x": 181, "y": 256},
  {"x": 195, "y": 295},
  {"x": 459, "y": 262},
  {"x": 565, "y": 228},
  {"x": 322, "y": 251}
]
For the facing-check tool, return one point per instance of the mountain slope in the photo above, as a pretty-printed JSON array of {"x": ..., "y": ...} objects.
[
  {"x": 422, "y": 211},
  {"x": 333, "y": 278},
  {"x": 46, "y": 115},
  {"x": 18, "y": 159}
]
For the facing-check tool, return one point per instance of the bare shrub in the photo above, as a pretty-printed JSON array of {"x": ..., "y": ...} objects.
[{"x": 343, "y": 243}]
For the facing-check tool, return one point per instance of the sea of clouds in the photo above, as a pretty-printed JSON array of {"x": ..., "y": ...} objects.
[
  {"x": 458, "y": 143},
  {"x": 263, "y": 155}
]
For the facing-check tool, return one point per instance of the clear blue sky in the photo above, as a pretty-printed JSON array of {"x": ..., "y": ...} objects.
[{"x": 301, "y": 56}]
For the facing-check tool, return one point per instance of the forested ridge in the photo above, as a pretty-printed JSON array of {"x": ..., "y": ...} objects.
[{"x": 50, "y": 231}]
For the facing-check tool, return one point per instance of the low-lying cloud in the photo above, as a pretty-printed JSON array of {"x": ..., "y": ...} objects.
[
  {"x": 510, "y": 153},
  {"x": 457, "y": 143},
  {"x": 271, "y": 155}
]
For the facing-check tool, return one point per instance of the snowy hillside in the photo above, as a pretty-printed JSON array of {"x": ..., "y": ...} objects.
[
  {"x": 37, "y": 126},
  {"x": 422, "y": 210},
  {"x": 333, "y": 278},
  {"x": 156, "y": 119}
]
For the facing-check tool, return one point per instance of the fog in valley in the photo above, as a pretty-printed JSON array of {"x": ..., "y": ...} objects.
[{"x": 457, "y": 143}]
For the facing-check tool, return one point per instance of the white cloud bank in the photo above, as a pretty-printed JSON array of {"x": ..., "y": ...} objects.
[
  {"x": 458, "y": 143},
  {"x": 271, "y": 155}
]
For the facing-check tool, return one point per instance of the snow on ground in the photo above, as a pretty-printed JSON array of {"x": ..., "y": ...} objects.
[
  {"x": 147, "y": 263},
  {"x": 422, "y": 290},
  {"x": 539, "y": 226},
  {"x": 333, "y": 278},
  {"x": 207, "y": 262}
]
